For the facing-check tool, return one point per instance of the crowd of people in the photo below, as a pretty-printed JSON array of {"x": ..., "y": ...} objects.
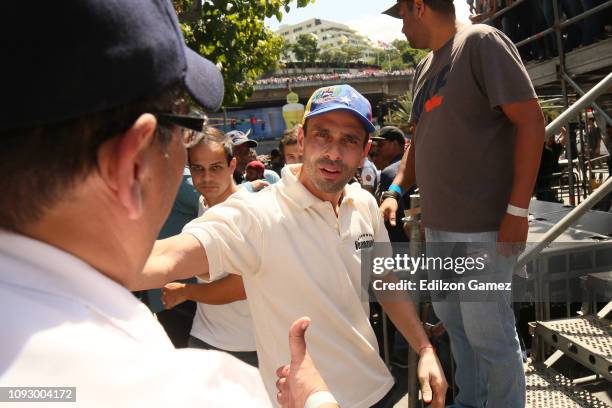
[
  {"x": 291, "y": 80},
  {"x": 534, "y": 16}
]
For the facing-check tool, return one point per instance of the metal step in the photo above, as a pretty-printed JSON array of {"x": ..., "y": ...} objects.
[
  {"x": 586, "y": 339},
  {"x": 548, "y": 389}
]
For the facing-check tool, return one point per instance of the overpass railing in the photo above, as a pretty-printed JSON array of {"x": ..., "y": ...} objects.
[{"x": 333, "y": 80}]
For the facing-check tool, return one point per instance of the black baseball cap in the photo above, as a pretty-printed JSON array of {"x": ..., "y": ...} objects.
[
  {"x": 393, "y": 11},
  {"x": 390, "y": 133},
  {"x": 69, "y": 58}
]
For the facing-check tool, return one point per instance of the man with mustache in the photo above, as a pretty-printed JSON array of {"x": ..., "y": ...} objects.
[{"x": 298, "y": 246}]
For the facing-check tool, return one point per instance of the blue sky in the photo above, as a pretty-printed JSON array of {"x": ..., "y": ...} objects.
[{"x": 361, "y": 15}]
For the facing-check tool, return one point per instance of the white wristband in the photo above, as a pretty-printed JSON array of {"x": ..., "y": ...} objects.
[
  {"x": 319, "y": 398},
  {"x": 517, "y": 211}
]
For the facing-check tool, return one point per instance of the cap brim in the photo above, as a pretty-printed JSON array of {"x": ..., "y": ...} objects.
[
  {"x": 365, "y": 121},
  {"x": 393, "y": 11},
  {"x": 203, "y": 81},
  {"x": 252, "y": 143}
]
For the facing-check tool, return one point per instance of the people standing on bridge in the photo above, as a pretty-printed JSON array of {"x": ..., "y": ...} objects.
[
  {"x": 474, "y": 155},
  {"x": 295, "y": 246}
]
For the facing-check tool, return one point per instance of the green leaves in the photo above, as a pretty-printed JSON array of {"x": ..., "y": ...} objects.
[
  {"x": 232, "y": 33},
  {"x": 306, "y": 49}
]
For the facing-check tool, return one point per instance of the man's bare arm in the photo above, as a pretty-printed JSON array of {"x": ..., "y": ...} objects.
[
  {"x": 220, "y": 292},
  {"x": 529, "y": 121},
  {"x": 174, "y": 258},
  {"x": 403, "y": 313},
  {"x": 406, "y": 175}
]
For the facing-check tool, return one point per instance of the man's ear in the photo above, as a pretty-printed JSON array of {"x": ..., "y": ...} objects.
[
  {"x": 123, "y": 161},
  {"x": 300, "y": 138},
  {"x": 419, "y": 5},
  {"x": 232, "y": 164},
  {"x": 366, "y": 150}
]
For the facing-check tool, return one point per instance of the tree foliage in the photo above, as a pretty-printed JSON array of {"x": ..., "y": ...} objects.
[
  {"x": 232, "y": 34},
  {"x": 399, "y": 56},
  {"x": 400, "y": 117},
  {"x": 306, "y": 49}
]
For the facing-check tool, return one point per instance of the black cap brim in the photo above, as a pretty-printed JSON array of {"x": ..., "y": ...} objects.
[
  {"x": 203, "y": 81},
  {"x": 250, "y": 143},
  {"x": 393, "y": 11}
]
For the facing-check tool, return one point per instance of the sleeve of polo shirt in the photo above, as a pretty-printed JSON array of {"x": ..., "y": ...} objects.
[
  {"x": 231, "y": 236},
  {"x": 500, "y": 71}
]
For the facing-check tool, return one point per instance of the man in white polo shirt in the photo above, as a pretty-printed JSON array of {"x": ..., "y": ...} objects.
[
  {"x": 93, "y": 148},
  {"x": 294, "y": 244}
]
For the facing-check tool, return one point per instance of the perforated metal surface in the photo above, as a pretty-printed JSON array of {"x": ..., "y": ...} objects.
[
  {"x": 553, "y": 390},
  {"x": 595, "y": 335}
]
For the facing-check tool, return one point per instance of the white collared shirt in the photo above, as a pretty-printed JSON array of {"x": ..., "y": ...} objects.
[
  {"x": 297, "y": 258},
  {"x": 65, "y": 324},
  {"x": 227, "y": 327}
]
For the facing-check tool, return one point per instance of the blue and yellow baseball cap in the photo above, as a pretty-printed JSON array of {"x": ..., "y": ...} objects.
[{"x": 340, "y": 97}]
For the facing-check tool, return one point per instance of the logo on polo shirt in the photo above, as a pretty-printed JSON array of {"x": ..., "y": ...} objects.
[{"x": 364, "y": 241}]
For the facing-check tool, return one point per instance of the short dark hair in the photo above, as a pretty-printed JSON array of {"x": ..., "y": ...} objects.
[
  {"x": 39, "y": 166},
  {"x": 445, "y": 7},
  {"x": 214, "y": 135},
  {"x": 289, "y": 138}
]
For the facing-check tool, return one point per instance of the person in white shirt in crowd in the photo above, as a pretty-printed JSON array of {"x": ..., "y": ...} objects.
[
  {"x": 92, "y": 157},
  {"x": 298, "y": 246},
  {"x": 222, "y": 320}
]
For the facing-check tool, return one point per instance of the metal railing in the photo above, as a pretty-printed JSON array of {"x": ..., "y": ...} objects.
[
  {"x": 593, "y": 199},
  {"x": 561, "y": 25},
  {"x": 565, "y": 79}
]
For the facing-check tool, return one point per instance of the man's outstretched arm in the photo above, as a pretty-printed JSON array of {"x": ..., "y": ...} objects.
[{"x": 174, "y": 258}]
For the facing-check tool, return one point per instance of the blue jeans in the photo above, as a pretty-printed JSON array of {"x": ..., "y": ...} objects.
[{"x": 483, "y": 335}]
